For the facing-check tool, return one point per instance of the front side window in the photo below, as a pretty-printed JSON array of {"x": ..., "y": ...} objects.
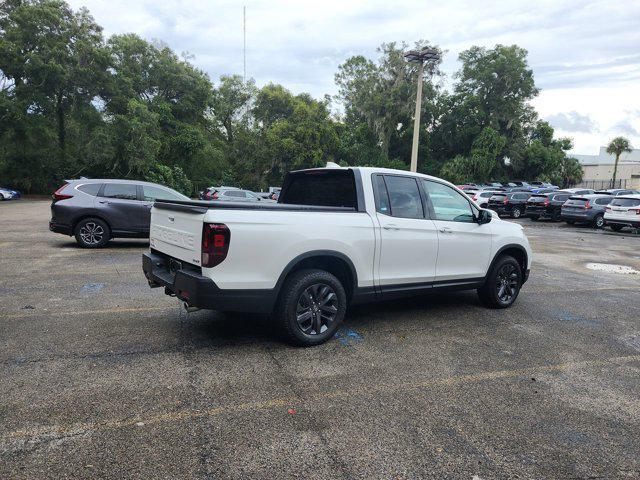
[
  {"x": 120, "y": 190},
  {"x": 404, "y": 197},
  {"x": 155, "y": 193},
  {"x": 448, "y": 204}
]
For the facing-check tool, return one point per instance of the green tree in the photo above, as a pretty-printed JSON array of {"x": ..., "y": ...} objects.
[
  {"x": 172, "y": 177},
  {"x": 380, "y": 94},
  {"x": 617, "y": 147},
  {"x": 54, "y": 58},
  {"x": 137, "y": 140},
  {"x": 481, "y": 164}
]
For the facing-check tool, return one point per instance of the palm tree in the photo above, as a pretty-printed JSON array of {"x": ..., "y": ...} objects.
[{"x": 616, "y": 147}]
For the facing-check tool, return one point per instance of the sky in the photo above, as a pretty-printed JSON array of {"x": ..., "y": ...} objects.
[{"x": 585, "y": 55}]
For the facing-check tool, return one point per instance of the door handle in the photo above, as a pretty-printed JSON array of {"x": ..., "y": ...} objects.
[
  {"x": 446, "y": 230},
  {"x": 390, "y": 226},
  {"x": 105, "y": 202}
]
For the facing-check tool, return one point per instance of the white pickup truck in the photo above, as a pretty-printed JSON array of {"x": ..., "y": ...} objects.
[{"x": 336, "y": 237}]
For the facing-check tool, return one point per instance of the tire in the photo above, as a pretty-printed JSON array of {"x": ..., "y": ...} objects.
[
  {"x": 516, "y": 212},
  {"x": 598, "y": 222},
  {"x": 505, "y": 272},
  {"x": 1, "y": 197},
  {"x": 616, "y": 228},
  {"x": 571, "y": 222},
  {"x": 303, "y": 295},
  {"x": 556, "y": 216},
  {"x": 92, "y": 233}
]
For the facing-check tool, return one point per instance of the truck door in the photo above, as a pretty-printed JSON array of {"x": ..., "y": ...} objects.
[
  {"x": 464, "y": 246},
  {"x": 408, "y": 237}
]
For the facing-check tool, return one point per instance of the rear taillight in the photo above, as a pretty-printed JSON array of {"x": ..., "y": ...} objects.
[
  {"x": 637, "y": 211},
  {"x": 215, "y": 244},
  {"x": 506, "y": 200},
  {"x": 546, "y": 202},
  {"x": 587, "y": 205},
  {"x": 215, "y": 195},
  {"x": 607, "y": 209},
  {"x": 59, "y": 196}
]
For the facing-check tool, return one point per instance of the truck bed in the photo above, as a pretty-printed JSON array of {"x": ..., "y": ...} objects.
[{"x": 201, "y": 206}]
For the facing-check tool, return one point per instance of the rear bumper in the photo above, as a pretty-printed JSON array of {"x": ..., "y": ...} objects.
[
  {"x": 577, "y": 216},
  {"x": 202, "y": 292},
  {"x": 622, "y": 221},
  {"x": 500, "y": 210},
  {"x": 60, "y": 228},
  {"x": 536, "y": 212}
]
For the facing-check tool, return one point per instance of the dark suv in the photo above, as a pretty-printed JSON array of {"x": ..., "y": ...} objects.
[
  {"x": 546, "y": 205},
  {"x": 95, "y": 211},
  {"x": 586, "y": 209},
  {"x": 511, "y": 203}
]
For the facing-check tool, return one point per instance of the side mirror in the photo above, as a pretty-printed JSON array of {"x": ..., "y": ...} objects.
[{"x": 484, "y": 216}]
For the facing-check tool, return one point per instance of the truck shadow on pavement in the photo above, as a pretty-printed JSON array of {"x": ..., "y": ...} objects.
[
  {"x": 210, "y": 329},
  {"x": 130, "y": 244}
]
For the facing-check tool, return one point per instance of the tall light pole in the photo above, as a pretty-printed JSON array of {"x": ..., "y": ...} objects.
[{"x": 427, "y": 54}]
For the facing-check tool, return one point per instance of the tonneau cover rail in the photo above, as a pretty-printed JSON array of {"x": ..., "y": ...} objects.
[{"x": 201, "y": 206}]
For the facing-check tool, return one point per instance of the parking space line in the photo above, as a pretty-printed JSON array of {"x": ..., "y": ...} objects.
[{"x": 53, "y": 432}]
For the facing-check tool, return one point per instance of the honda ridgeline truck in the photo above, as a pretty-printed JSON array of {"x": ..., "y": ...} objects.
[{"x": 336, "y": 237}]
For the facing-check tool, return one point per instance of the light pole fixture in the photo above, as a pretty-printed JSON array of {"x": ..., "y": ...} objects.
[{"x": 427, "y": 54}]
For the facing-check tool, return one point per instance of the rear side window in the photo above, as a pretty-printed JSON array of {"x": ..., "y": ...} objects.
[
  {"x": 120, "y": 190},
  {"x": 90, "y": 188},
  {"x": 404, "y": 197},
  {"x": 625, "y": 202},
  {"x": 448, "y": 204},
  {"x": 382, "y": 197},
  {"x": 327, "y": 188}
]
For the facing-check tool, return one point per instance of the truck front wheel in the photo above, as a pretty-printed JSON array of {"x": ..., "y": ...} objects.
[{"x": 311, "y": 307}]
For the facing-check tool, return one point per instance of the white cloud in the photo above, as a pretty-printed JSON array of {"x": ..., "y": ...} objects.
[{"x": 584, "y": 53}]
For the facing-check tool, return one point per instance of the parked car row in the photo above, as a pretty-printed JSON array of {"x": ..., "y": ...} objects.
[
  {"x": 233, "y": 194},
  {"x": 7, "y": 193},
  {"x": 616, "y": 208}
]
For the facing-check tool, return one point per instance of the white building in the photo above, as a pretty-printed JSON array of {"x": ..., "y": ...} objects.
[{"x": 598, "y": 169}]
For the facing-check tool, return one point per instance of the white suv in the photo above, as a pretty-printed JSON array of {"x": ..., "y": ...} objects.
[{"x": 623, "y": 211}]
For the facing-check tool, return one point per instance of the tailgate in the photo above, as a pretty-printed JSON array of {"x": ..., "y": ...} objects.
[{"x": 177, "y": 232}]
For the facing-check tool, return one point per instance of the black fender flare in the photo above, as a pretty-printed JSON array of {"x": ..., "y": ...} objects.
[
  {"x": 316, "y": 253},
  {"x": 511, "y": 246}
]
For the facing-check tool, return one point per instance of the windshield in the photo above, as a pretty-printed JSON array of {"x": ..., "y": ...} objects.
[{"x": 626, "y": 202}]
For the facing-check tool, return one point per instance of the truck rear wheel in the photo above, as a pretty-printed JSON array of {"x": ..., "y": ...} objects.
[{"x": 311, "y": 307}]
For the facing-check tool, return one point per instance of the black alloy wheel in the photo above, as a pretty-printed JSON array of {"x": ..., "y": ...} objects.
[
  {"x": 311, "y": 307},
  {"x": 502, "y": 284}
]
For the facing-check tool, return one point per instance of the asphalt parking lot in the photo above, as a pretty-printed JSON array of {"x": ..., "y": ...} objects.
[{"x": 102, "y": 377}]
